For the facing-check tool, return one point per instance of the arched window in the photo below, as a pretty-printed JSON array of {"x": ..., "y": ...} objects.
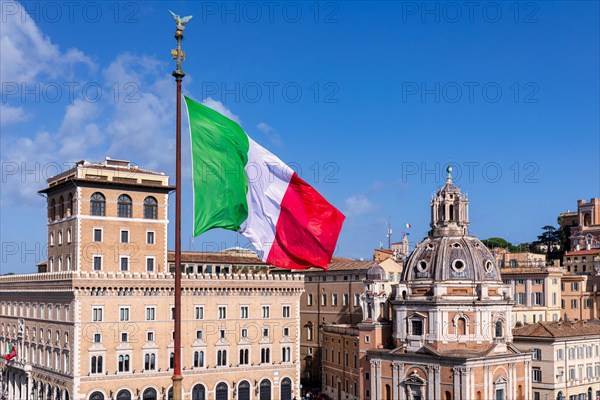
[
  {"x": 198, "y": 359},
  {"x": 150, "y": 208},
  {"x": 98, "y": 204},
  {"x": 94, "y": 396},
  {"x": 172, "y": 360},
  {"x": 286, "y": 389},
  {"x": 124, "y": 206},
  {"x": 199, "y": 392},
  {"x": 461, "y": 327},
  {"x": 560, "y": 396},
  {"x": 244, "y": 391},
  {"x": 149, "y": 394},
  {"x": 499, "y": 328},
  {"x": 61, "y": 207},
  {"x": 587, "y": 219},
  {"x": 70, "y": 205},
  {"x": 222, "y": 392},
  {"x": 221, "y": 358},
  {"x": 52, "y": 210},
  {"x": 124, "y": 395},
  {"x": 309, "y": 332},
  {"x": 150, "y": 362},
  {"x": 451, "y": 212},
  {"x": 265, "y": 389},
  {"x": 96, "y": 365}
]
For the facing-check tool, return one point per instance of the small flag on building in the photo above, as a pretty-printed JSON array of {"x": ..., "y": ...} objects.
[
  {"x": 241, "y": 186},
  {"x": 407, "y": 225},
  {"x": 12, "y": 353}
]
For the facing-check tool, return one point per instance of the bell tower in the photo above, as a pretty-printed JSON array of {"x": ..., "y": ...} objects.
[{"x": 449, "y": 210}]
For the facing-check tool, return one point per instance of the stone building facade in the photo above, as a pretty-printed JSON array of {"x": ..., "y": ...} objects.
[
  {"x": 98, "y": 324},
  {"x": 566, "y": 358}
]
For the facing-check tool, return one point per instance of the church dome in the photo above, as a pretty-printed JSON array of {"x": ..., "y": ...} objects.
[
  {"x": 451, "y": 258},
  {"x": 376, "y": 273},
  {"x": 449, "y": 253}
]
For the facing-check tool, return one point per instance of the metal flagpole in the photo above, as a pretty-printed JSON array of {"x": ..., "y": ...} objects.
[{"x": 179, "y": 55}]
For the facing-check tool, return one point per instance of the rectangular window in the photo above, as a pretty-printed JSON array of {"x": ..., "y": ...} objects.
[
  {"x": 323, "y": 299},
  {"x": 97, "y": 263},
  {"x": 575, "y": 286},
  {"x": 222, "y": 312},
  {"x": 244, "y": 312},
  {"x": 536, "y": 375},
  {"x": 356, "y": 299},
  {"x": 265, "y": 311},
  {"x": 554, "y": 299},
  {"x": 309, "y": 299},
  {"x": 199, "y": 335},
  {"x": 221, "y": 333},
  {"x": 150, "y": 264},
  {"x": 334, "y": 299},
  {"x": 150, "y": 313},
  {"x": 537, "y": 298},
  {"x": 537, "y": 354},
  {"x": 345, "y": 300},
  {"x": 150, "y": 336},
  {"x": 124, "y": 236},
  {"x": 97, "y": 338},
  {"x": 97, "y": 235},
  {"x": 150, "y": 237},
  {"x": 286, "y": 311},
  {"x": 124, "y": 263},
  {"x": 266, "y": 332},
  {"x": 124, "y": 314},
  {"x": 286, "y": 331},
  {"x": 574, "y": 304},
  {"x": 560, "y": 354},
  {"x": 97, "y": 314},
  {"x": 416, "y": 327},
  {"x": 124, "y": 337},
  {"x": 199, "y": 312}
]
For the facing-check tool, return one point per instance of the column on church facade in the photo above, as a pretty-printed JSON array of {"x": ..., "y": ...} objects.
[
  {"x": 528, "y": 292},
  {"x": 456, "y": 382},
  {"x": 395, "y": 380}
]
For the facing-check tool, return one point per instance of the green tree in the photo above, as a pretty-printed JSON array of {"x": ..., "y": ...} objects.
[
  {"x": 550, "y": 237},
  {"x": 497, "y": 242}
]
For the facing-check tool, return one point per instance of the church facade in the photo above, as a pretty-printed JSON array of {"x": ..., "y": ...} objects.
[{"x": 451, "y": 332}]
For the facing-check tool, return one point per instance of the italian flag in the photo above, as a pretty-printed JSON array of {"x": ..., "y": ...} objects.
[
  {"x": 12, "y": 353},
  {"x": 241, "y": 186}
]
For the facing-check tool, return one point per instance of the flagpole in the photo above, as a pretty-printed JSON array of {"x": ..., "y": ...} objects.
[{"x": 179, "y": 55}]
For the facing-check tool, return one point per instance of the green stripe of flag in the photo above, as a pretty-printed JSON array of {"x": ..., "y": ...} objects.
[{"x": 219, "y": 155}]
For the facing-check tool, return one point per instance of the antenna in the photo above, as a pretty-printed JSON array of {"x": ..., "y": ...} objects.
[{"x": 389, "y": 234}]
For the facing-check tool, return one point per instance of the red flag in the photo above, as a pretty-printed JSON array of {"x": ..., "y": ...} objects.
[{"x": 11, "y": 354}]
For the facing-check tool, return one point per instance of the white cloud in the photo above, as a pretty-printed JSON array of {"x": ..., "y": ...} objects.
[
  {"x": 358, "y": 205},
  {"x": 10, "y": 115},
  {"x": 28, "y": 54},
  {"x": 273, "y": 136},
  {"x": 220, "y": 108}
]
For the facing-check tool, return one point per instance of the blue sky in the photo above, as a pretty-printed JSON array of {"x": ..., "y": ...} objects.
[{"x": 367, "y": 101}]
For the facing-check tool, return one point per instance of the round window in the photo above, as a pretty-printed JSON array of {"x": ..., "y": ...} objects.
[
  {"x": 488, "y": 266},
  {"x": 422, "y": 266},
  {"x": 458, "y": 265}
]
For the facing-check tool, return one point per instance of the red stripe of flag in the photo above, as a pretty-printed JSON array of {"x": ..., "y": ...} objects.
[{"x": 307, "y": 229}]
